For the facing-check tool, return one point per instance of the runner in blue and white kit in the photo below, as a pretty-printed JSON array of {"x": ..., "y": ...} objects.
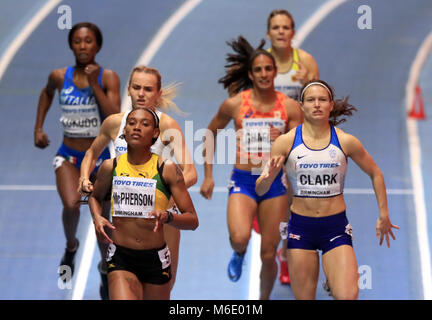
[{"x": 316, "y": 154}]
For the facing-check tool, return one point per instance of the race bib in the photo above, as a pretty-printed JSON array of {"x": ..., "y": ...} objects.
[
  {"x": 80, "y": 121},
  {"x": 133, "y": 197},
  {"x": 319, "y": 179},
  {"x": 165, "y": 257},
  {"x": 256, "y": 133}
]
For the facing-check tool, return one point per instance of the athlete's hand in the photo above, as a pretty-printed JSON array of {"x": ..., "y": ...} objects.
[
  {"x": 161, "y": 218},
  {"x": 207, "y": 188},
  {"x": 41, "y": 139},
  {"x": 100, "y": 223},
  {"x": 85, "y": 186},
  {"x": 302, "y": 73},
  {"x": 92, "y": 73},
  {"x": 273, "y": 167},
  {"x": 274, "y": 133},
  {"x": 384, "y": 228}
]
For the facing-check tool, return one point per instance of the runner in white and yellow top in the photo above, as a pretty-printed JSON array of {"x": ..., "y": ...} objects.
[
  {"x": 295, "y": 67},
  {"x": 141, "y": 183}
]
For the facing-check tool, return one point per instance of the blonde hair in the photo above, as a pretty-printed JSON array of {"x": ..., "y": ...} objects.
[{"x": 168, "y": 93}]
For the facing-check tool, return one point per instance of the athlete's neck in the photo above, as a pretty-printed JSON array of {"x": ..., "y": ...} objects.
[
  {"x": 282, "y": 55},
  {"x": 264, "y": 96},
  {"x": 316, "y": 129},
  {"x": 138, "y": 156},
  {"x": 137, "y": 107},
  {"x": 80, "y": 66}
]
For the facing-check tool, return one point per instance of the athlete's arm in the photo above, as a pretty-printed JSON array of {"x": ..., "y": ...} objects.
[
  {"x": 355, "y": 150},
  {"x": 219, "y": 121},
  {"x": 188, "y": 219},
  {"x": 101, "y": 187},
  {"x": 108, "y": 98},
  {"x": 278, "y": 155},
  {"x": 172, "y": 134},
  {"x": 45, "y": 99},
  {"x": 310, "y": 66},
  {"x": 107, "y": 130}
]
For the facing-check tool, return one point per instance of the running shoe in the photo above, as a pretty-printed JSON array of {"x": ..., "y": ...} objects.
[
  {"x": 68, "y": 258},
  {"x": 235, "y": 266},
  {"x": 103, "y": 287},
  {"x": 283, "y": 274}
]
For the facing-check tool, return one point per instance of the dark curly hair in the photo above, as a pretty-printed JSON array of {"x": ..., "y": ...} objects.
[{"x": 240, "y": 63}]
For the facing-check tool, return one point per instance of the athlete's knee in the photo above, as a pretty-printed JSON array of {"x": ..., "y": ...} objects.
[
  {"x": 71, "y": 206},
  {"x": 349, "y": 292},
  {"x": 239, "y": 239},
  {"x": 268, "y": 254}
]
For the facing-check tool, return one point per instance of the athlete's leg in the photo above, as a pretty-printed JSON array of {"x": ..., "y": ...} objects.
[
  {"x": 283, "y": 273},
  {"x": 240, "y": 213},
  {"x": 156, "y": 291},
  {"x": 304, "y": 272},
  {"x": 67, "y": 177},
  {"x": 340, "y": 268},
  {"x": 271, "y": 213},
  {"x": 103, "y": 249},
  {"x": 172, "y": 239},
  {"x": 124, "y": 285}
]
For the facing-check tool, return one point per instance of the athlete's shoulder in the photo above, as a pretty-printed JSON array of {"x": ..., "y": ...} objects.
[
  {"x": 167, "y": 122},
  {"x": 57, "y": 75},
  {"x": 305, "y": 56},
  {"x": 347, "y": 140},
  {"x": 109, "y": 73},
  {"x": 114, "y": 119},
  {"x": 231, "y": 105},
  {"x": 110, "y": 77}
]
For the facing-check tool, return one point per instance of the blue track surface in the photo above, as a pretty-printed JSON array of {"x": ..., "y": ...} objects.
[{"x": 371, "y": 66}]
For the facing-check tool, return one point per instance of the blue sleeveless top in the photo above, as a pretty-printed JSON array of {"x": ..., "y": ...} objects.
[{"x": 81, "y": 116}]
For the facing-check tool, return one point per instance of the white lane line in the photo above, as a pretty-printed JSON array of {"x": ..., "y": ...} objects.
[
  {"x": 145, "y": 59},
  {"x": 159, "y": 39},
  {"x": 358, "y": 191},
  {"x": 85, "y": 264},
  {"x": 24, "y": 34},
  {"x": 416, "y": 170},
  {"x": 314, "y": 20}
]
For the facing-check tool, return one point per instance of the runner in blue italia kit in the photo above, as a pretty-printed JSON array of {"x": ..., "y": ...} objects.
[
  {"x": 87, "y": 94},
  {"x": 316, "y": 155}
]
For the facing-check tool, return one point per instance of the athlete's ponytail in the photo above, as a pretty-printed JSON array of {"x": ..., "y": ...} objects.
[{"x": 240, "y": 63}]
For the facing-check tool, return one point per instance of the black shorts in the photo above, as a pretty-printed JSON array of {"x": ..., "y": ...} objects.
[{"x": 150, "y": 266}]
